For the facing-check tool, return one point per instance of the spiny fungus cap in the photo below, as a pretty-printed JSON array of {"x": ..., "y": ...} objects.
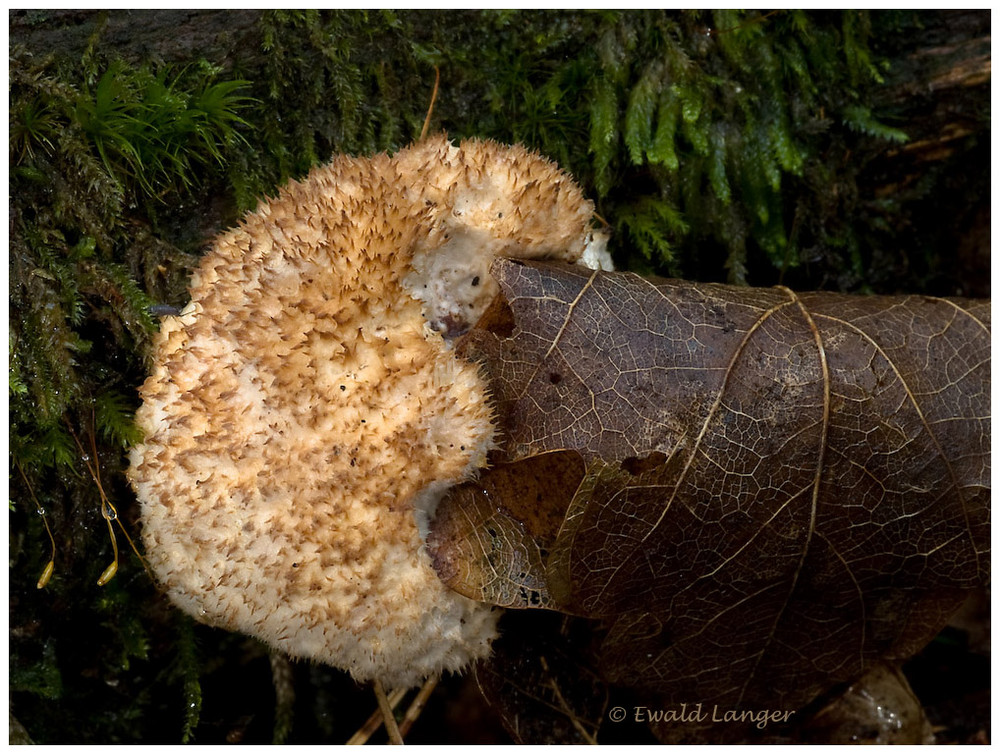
[{"x": 305, "y": 412}]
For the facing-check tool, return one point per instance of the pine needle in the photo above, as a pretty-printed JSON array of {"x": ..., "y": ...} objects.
[{"x": 430, "y": 109}]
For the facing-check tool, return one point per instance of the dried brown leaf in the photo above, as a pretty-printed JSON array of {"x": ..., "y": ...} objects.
[
  {"x": 781, "y": 489},
  {"x": 513, "y": 515}
]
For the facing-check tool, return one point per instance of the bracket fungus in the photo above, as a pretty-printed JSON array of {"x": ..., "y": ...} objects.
[{"x": 306, "y": 410}]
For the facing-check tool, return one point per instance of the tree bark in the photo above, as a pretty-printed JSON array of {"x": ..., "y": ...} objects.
[
  {"x": 940, "y": 79},
  {"x": 172, "y": 36}
]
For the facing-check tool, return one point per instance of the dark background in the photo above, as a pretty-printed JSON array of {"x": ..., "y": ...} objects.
[{"x": 837, "y": 150}]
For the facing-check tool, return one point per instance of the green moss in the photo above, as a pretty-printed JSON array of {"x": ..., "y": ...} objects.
[{"x": 98, "y": 149}]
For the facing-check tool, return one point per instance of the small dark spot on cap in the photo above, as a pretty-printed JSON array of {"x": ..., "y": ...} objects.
[
  {"x": 343, "y": 387},
  {"x": 475, "y": 280},
  {"x": 555, "y": 378},
  {"x": 295, "y": 565}
]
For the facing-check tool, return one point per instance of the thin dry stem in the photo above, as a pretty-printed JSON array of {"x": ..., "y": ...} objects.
[
  {"x": 417, "y": 706},
  {"x": 587, "y": 736},
  {"x": 387, "y": 714},
  {"x": 373, "y": 722},
  {"x": 434, "y": 94}
]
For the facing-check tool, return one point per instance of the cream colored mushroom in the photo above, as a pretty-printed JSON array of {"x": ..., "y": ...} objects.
[{"x": 306, "y": 412}]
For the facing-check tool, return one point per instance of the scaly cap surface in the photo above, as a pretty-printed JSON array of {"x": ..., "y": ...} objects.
[{"x": 304, "y": 414}]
